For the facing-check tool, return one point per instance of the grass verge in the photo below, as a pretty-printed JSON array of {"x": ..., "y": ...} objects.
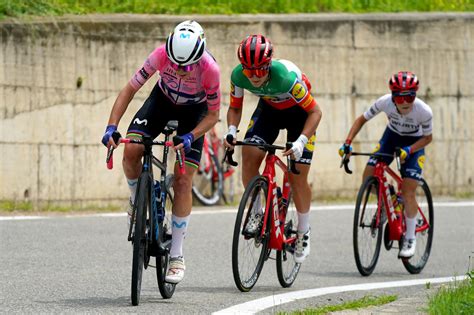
[
  {"x": 16, "y": 8},
  {"x": 364, "y": 302},
  {"x": 454, "y": 298}
]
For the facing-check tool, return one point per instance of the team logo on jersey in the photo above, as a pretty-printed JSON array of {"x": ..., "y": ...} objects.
[
  {"x": 377, "y": 148},
  {"x": 298, "y": 91},
  {"x": 232, "y": 88},
  {"x": 310, "y": 145},
  {"x": 421, "y": 161},
  {"x": 250, "y": 124},
  {"x": 139, "y": 122}
]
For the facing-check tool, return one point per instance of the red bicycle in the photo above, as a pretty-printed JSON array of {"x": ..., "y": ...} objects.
[
  {"x": 213, "y": 180},
  {"x": 276, "y": 226},
  {"x": 378, "y": 202}
]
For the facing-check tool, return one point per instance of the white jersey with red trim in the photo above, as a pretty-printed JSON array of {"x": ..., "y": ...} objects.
[{"x": 418, "y": 122}]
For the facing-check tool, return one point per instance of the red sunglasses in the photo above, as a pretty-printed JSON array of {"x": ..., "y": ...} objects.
[
  {"x": 187, "y": 68},
  {"x": 403, "y": 97},
  {"x": 259, "y": 73}
]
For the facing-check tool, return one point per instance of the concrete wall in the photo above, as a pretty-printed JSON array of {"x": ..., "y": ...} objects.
[{"x": 59, "y": 79}]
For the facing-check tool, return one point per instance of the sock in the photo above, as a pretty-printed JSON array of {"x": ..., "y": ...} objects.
[
  {"x": 303, "y": 222},
  {"x": 178, "y": 232},
  {"x": 132, "y": 185},
  {"x": 411, "y": 226}
]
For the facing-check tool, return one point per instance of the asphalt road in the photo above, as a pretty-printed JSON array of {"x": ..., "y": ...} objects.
[{"x": 83, "y": 264}]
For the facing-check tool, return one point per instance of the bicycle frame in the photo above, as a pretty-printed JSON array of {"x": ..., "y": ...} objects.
[
  {"x": 276, "y": 215},
  {"x": 396, "y": 223},
  {"x": 212, "y": 144}
]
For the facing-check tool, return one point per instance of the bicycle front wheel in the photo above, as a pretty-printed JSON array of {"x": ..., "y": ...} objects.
[
  {"x": 139, "y": 236},
  {"x": 162, "y": 260},
  {"x": 249, "y": 247},
  {"x": 367, "y": 235},
  {"x": 208, "y": 181},
  {"x": 287, "y": 267},
  {"x": 424, "y": 230}
]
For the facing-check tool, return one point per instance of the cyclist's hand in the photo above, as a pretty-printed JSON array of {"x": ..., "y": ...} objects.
[
  {"x": 111, "y": 136},
  {"x": 297, "y": 148},
  {"x": 346, "y": 148},
  {"x": 231, "y": 133},
  {"x": 405, "y": 153},
  {"x": 187, "y": 140}
]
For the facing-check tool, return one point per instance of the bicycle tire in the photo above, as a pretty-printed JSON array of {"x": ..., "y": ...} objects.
[
  {"x": 247, "y": 270},
  {"x": 166, "y": 289},
  {"x": 366, "y": 262},
  {"x": 415, "y": 264},
  {"x": 208, "y": 185},
  {"x": 139, "y": 236},
  {"x": 287, "y": 267}
]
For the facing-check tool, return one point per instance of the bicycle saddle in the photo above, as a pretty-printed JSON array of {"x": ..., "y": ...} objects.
[{"x": 171, "y": 126}]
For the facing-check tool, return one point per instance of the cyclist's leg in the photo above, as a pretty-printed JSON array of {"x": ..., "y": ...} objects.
[
  {"x": 294, "y": 120},
  {"x": 262, "y": 128},
  {"x": 145, "y": 122},
  {"x": 411, "y": 172},
  {"x": 188, "y": 118}
]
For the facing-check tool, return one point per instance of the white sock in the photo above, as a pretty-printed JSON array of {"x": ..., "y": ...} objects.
[
  {"x": 303, "y": 222},
  {"x": 178, "y": 231},
  {"x": 132, "y": 185},
  {"x": 411, "y": 226}
]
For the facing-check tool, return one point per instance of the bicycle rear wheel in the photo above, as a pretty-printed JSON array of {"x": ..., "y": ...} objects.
[
  {"x": 424, "y": 228},
  {"x": 162, "y": 260},
  {"x": 249, "y": 249},
  {"x": 208, "y": 182},
  {"x": 287, "y": 267},
  {"x": 139, "y": 236},
  {"x": 367, "y": 236}
]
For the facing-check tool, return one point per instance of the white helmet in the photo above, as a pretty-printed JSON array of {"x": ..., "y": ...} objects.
[{"x": 186, "y": 44}]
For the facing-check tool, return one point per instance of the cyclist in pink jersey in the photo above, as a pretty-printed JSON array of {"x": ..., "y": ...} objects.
[{"x": 188, "y": 91}]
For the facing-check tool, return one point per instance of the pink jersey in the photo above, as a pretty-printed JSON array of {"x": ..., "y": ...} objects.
[{"x": 199, "y": 85}]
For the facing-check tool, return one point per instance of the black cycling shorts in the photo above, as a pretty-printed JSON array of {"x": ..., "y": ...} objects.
[
  {"x": 158, "y": 109},
  {"x": 267, "y": 121}
]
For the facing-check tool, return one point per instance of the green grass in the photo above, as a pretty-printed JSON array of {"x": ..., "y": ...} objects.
[
  {"x": 456, "y": 298},
  {"x": 364, "y": 302},
  {"x": 18, "y": 8}
]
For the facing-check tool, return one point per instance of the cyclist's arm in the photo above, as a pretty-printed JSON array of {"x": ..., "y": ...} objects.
[
  {"x": 121, "y": 103},
  {"x": 421, "y": 143},
  {"x": 312, "y": 121},
  {"x": 234, "y": 115},
  {"x": 211, "y": 118},
  {"x": 356, "y": 127}
]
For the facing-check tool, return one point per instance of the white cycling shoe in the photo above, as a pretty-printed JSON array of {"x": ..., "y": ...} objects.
[
  {"x": 302, "y": 246},
  {"x": 408, "y": 248},
  {"x": 176, "y": 270}
]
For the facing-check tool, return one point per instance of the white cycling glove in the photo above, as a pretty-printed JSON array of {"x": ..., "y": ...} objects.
[
  {"x": 298, "y": 146},
  {"x": 232, "y": 131}
]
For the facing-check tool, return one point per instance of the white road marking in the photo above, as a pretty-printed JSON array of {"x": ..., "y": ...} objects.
[
  {"x": 200, "y": 211},
  {"x": 261, "y": 304}
]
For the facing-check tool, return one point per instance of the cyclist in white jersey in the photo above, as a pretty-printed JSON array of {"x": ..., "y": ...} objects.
[
  {"x": 188, "y": 91},
  {"x": 410, "y": 128}
]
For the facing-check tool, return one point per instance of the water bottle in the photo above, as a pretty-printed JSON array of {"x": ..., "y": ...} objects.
[{"x": 399, "y": 205}]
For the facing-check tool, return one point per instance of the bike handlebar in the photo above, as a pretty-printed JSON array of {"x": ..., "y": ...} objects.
[
  {"x": 291, "y": 165},
  {"x": 110, "y": 160},
  {"x": 346, "y": 157}
]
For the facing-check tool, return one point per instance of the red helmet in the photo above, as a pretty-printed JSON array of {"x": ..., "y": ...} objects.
[
  {"x": 403, "y": 81},
  {"x": 255, "y": 51}
]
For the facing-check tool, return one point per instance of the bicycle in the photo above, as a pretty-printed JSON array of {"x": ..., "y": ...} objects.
[
  {"x": 150, "y": 228},
  {"x": 376, "y": 195},
  {"x": 213, "y": 180},
  {"x": 277, "y": 227}
]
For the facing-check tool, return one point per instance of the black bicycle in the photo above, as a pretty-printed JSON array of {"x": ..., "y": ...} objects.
[{"x": 150, "y": 230}]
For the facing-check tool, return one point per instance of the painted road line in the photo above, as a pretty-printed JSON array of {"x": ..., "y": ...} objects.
[
  {"x": 203, "y": 211},
  {"x": 261, "y": 304}
]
